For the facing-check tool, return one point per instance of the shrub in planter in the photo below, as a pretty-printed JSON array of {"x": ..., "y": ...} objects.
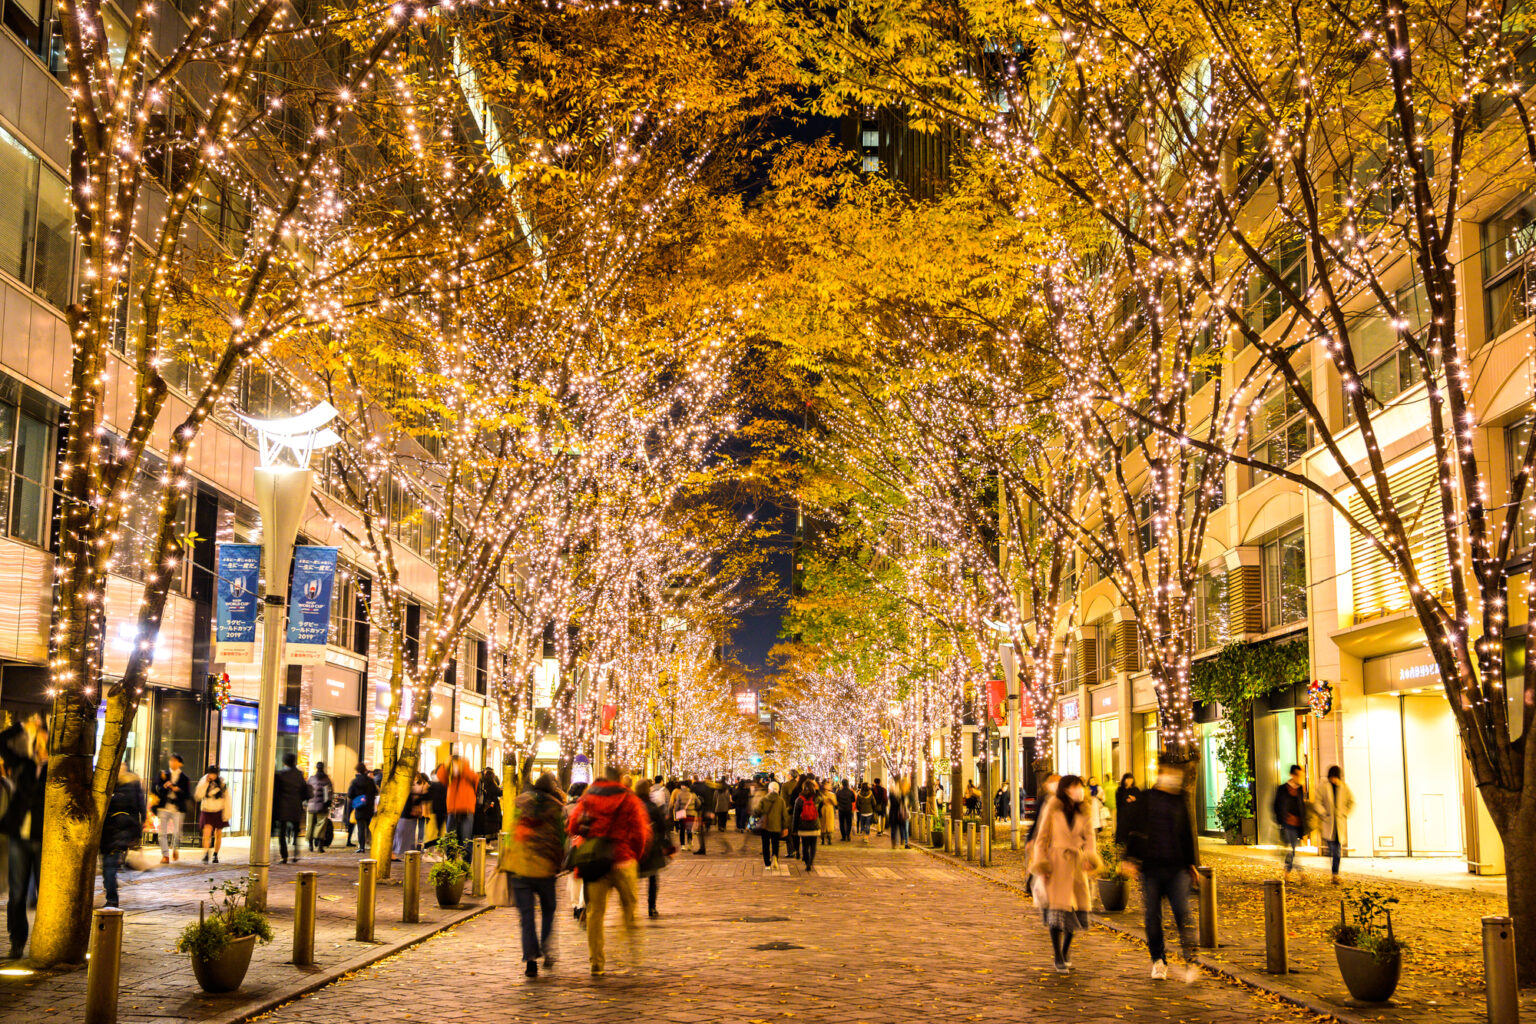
[
  {"x": 450, "y": 873},
  {"x": 1111, "y": 880},
  {"x": 221, "y": 943},
  {"x": 1369, "y": 955}
]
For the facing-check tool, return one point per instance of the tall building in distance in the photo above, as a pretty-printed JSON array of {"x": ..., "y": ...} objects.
[{"x": 918, "y": 161}]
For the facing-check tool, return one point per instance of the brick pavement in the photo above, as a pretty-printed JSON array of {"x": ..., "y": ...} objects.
[
  {"x": 874, "y": 935},
  {"x": 157, "y": 984},
  {"x": 1442, "y": 969}
]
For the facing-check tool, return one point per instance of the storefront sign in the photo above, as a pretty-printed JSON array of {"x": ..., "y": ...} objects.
[
  {"x": 1105, "y": 701},
  {"x": 1069, "y": 710},
  {"x": 470, "y": 716},
  {"x": 239, "y": 573},
  {"x": 248, "y": 716},
  {"x": 1407, "y": 670},
  {"x": 335, "y": 691},
  {"x": 309, "y": 604},
  {"x": 746, "y": 702}
]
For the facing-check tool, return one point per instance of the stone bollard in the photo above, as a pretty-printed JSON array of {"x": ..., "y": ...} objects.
[
  {"x": 1275, "y": 959},
  {"x": 1207, "y": 908},
  {"x": 1500, "y": 981},
  {"x": 984, "y": 851},
  {"x": 970, "y": 840},
  {"x": 304, "y": 919},
  {"x": 410, "y": 905},
  {"x": 477, "y": 868},
  {"x": 366, "y": 891},
  {"x": 101, "y": 975},
  {"x": 949, "y": 828}
]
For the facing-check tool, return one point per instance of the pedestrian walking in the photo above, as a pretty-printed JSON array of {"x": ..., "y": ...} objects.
[
  {"x": 488, "y": 805},
  {"x": 574, "y": 887},
  {"x": 1161, "y": 849},
  {"x": 172, "y": 792},
  {"x": 827, "y": 799},
  {"x": 461, "y": 782},
  {"x": 318, "y": 807},
  {"x": 659, "y": 851},
  {"x": 1098, "y": 811},
  {"x": 1126, "y": 796},
  {"x": 615, "y": 828},
  {"x": 534, "y": 855},
  {"x": 864, "y": 805},
  {"x": 972, "y": 800},
  {"x": 772, "y": 824},
  {"x": 290, "y": 791},
  {"x": 411, "y": 815},
  {"x": 742, "y": 799},
  {"x": 724, "y": 799},
  {"x": 1290, "y": 810},
  {"x": 361, "y": 795},
  {"x": 684, "y": 814},
  {"x": 122, "y": 829},
  {"x": 806, "y": 812},
  {"x": 24, "y": 758},
  {"x": 882, "y": 806},
  {"x": 1333, "y": 806},
  {"x": 1063, "y": 856},
  {"x": 212, "y": 797},
  {"x": 897, "y": 816},
  {"x": 437, "y": 809},
  {"x": 846, "y": 798}
]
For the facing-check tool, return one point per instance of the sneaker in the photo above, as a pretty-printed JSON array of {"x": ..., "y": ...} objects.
[
  {"x": 1159, "y": 970},
  {"x": 215, "y": 858},
  {"x": 532, "y": 970},
  {"x": 1191, "y": 973},
  {"x": 1061, "y": 967},
  {"x": 164, "y": 859}
]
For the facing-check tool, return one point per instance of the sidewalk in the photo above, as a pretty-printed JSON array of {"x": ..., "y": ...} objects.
[
  {"x": 1442, "y": 872},
  {"x": 157, "y": 986},
  {"x": 1442, "y": 969}
]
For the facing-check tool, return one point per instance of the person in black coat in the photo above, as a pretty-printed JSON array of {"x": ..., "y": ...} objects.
[
  {"x": 173, "y": 797},
  {"x": 845, "y": 801},
  {"x": 24, "y": 758},
  {"x": 290, "y": 792},
  {"x": 1160, "y": 847},
  {"x": 361, "y": 795},
  {"x": 742, "y": 798},
  {"x": 122, "y": 829},
  {"x": 1126, "y": 795},
  {"x": 488, "y": 805}
]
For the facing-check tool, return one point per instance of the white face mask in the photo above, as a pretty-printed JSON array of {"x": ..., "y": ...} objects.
[{"x": 1075, "y": 794}]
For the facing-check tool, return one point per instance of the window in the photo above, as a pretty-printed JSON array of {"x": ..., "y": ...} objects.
[
  {"x": 1265, "y": 302},
  {"x": 36, "y": 246},
  {"x": 1280, "y": 432},
  {"x": 1387, "y": 368},
  {"x": 1204, "y": 359},
  {"x": 1378, "y": 586},
  {"x": 1210, "y": 610},
  {"x": 1284, "y": 558},
  {"x": 135, "y": 548},
  {"x": 1507, "y": 249},
  {"x": 1252, "y": 163},
  {"x": 33, "y": 23},
  {"x": 1104, "y": 641},
  {"x": 1518, "y": 438},
  {"x": 1144, "y": 530},
  {"x": 1195, "y": 98},
  {"x": 26, "y": 449}
]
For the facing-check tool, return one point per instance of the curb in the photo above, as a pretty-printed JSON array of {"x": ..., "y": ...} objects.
[
  {"x": 1247, "y": 979},
  {"x": 314, "y": 982}
]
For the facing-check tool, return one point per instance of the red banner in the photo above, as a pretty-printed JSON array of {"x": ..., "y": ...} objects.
[
  {"x": 997, "y": 701},
  {"x": 605, "y": 729}
]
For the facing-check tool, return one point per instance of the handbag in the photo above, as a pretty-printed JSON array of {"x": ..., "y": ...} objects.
[
  {"x": 500, "y": 891},
  {"x": 592, "y": 858},
  {"x": 680, "y": 816}
]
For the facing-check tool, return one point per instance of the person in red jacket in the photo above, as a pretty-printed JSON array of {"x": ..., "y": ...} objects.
[
  {"x": 460, "y": 779},
  {"x": 610, "y": 812}
]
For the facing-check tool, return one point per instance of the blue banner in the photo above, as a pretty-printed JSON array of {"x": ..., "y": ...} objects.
[
  {"x": 237, "y": 603},
  {"x": 309, "y": 604}
]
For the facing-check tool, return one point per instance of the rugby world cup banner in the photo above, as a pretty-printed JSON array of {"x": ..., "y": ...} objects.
[
  {"x": 237, "y": 603},
  {"x": 309, "y": 604}
]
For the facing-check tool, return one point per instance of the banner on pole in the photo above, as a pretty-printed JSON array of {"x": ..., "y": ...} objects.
[
  {"x": 235, "y": 616},
  {"x": 997, "y": 701},
  {"x": 605, "y": 728},
  {"x": 309, "y": 604}
]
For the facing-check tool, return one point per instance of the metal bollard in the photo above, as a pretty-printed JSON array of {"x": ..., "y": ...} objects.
[
  {"x": 410, "y": 903},
  {"x": 986, "y": 846},
  {"x": 949, "y": 828},
  {"x": 366, "y": 889},
  {"x": 106, "y": 959},
  {"x": 1275, "y": 959},
  {"x": 970, "y": 840},
  {"x": 304, "y": 919},
  {"x": 1207, "y": 918},
  {"x": 477, "y": 867},
  {"x": 1500, "y": 981}
]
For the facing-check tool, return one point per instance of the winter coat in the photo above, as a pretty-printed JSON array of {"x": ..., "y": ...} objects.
[
  {"x": 1125, "y": 807},
  {"x": 488, "y": 817},
  {"x": 797, "y": 820},
  {"x": 846, "y": 798},
  {"x": 1333, "y": 810},
  {"x": 660, "y": 848},
  {"x": 1288, "y": 805},
  {"x": 772, "y": 814},
  {"x": 123, "y": 826},
  {"x": 320, "y": 790},
  {"x": 290, "y": 790},
  {"x": 609, "y": 810},
  {"x": 536, "y": 841},
  {"x": 211, "y": 795},
  {"x": 742, "y": 798},
  {"x": 864, "y": 803},
  {"x": 828, "y": 811},
  {"x": 362, "y": 786},
  {"x": 1062, "y": 858},
  {"x": 1098, "y": 813},
  {"x": 1158, "y": 832},
  {"x": 173, "y": 794},
  {"x": 461, "y": 781},
  {"x": 722, "y": 803},
  {"x": 684, "y": 800}
]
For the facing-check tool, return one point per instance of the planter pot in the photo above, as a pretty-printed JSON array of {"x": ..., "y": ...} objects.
[
  {"x": 1112, "y": 893},
  {"x": 938, "y": 839},
  {"x": 449, "y": 893},
  {"x": 1235, "y": 838},
  {"x": 1368, "y": 979},
  {"x": 225, "y": 972}
]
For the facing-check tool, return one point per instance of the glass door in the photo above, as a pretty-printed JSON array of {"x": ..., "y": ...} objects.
[{"x": 237, "y": 760}]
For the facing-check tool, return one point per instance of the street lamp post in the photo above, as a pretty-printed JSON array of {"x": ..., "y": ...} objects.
[{"x": 283, "y": 485}]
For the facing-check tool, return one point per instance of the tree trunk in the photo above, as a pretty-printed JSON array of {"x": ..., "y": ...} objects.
[
  {"x": 1515, "y": 819},
  {"x": 71, "y": 831},
  {"x": 392, "y": 795}
]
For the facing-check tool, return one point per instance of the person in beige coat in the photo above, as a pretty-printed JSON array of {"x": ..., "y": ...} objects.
[
  {"x": 1062, "y": 857},
  {"x": 1332, "y": 803}
]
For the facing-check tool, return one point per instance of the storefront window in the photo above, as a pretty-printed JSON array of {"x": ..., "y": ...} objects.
[
  {"x": 1518, "y": 440},
  {"x": 26, "y": 450},
  {"x": 1285, "y": 576}
]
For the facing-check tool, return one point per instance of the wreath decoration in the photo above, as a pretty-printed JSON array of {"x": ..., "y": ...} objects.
[{"x": 1320, "y": 697}]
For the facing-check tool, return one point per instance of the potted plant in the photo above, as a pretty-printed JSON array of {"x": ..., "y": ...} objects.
[
  {"x": 1232, "y": 814},
  {"x": 1370, "y": 957},
  {"x": 221, "y": 943},
  {"x": 450, "y": 873},
  {"x": 1111, "y": 880}
]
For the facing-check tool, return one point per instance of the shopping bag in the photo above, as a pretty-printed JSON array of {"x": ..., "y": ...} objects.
[
  {"x": 141, "y": 858},
  {"x": 499, "y": 893}
]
